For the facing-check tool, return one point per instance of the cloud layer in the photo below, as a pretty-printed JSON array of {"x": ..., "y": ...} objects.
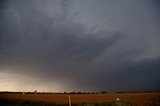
[{"x": 108, "y": 48}]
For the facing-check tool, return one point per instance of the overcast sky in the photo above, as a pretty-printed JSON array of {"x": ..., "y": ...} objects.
[{"x": 79, "y": 45}]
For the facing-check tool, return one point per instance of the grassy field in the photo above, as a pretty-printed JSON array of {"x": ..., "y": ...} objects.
[{"x": 126, "y": 99}]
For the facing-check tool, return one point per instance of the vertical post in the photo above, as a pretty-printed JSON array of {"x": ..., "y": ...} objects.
[{"x": 69, "y": 100}]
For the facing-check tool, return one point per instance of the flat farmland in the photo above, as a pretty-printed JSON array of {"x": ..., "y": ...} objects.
[{"x": 54, "y": 99}]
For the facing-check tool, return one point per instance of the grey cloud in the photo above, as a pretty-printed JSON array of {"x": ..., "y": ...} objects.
[{"x": 50, "y": 44}]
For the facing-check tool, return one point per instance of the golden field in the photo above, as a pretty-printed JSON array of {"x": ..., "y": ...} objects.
[{"x": 106, "y": 99}]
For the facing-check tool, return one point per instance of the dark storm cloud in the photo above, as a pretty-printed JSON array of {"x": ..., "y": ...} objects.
[
  {"x": 45, "y": 39},
  {"x": 128, "y": 76}
]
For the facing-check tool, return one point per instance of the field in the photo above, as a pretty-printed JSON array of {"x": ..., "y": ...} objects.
[{"x": 126, "y": 99}]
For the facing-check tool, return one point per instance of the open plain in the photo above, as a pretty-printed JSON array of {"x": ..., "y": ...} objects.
[{"x": 60, "y": 99}]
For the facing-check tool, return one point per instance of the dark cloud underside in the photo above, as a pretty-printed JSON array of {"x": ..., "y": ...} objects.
[{"x": 106, "y": 48}]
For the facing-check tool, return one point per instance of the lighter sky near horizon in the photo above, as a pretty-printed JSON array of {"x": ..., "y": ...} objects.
[{"x": 79, "y": 45}]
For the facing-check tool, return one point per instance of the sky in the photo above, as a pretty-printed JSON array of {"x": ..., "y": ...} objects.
[{"x": 79, "y": 45}]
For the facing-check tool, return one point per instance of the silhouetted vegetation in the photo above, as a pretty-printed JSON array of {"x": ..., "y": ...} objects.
[{"x": 103, "y": 92}]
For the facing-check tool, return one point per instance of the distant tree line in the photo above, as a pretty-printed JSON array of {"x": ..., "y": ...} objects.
[{"x": 102, "y": 92}]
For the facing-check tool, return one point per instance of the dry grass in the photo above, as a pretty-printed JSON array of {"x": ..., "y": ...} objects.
[{"x": 146, "y": 99}]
